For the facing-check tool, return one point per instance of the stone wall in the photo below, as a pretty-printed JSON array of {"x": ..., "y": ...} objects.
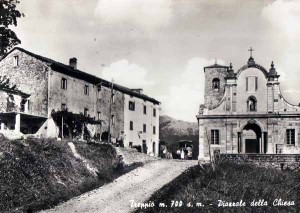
[
  {"x": 213, "y": 97},
  {"x": 268, "y": 160},
  {"x": 103, "y": 106},
  {"x": 30, "y": 76},
  {"x": 76, "y": 101}
]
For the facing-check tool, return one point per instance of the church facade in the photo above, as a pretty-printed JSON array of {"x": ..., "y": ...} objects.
[{"x": 245, "y": 112}]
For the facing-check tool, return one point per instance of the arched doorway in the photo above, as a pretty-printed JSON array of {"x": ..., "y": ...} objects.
[{"x": 251, "y": 139}]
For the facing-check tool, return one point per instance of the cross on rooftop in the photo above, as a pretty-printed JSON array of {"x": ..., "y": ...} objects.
[{"x": 251, "y": 50}]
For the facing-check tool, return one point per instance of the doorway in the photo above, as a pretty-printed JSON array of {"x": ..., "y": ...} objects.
[{"x": 251, "y": 139}]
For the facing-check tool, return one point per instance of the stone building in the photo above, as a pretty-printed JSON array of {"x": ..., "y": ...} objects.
[
  {"x": 45, "y": 85},
  {"x": 245, "y": 112}
]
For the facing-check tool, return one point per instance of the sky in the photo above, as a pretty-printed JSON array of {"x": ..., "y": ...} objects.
[{"x": 163, "y": 45}]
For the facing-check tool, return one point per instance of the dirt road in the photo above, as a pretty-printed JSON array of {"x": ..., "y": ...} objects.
[{"x": 137, "y": 185}]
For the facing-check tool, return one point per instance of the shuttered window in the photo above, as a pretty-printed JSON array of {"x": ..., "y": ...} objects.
[
  {"x": 215, "y": 139},
  {"x": 290, "y": 136}
]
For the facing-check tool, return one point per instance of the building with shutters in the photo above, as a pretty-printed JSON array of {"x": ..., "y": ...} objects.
[{"x": 40, "y": 85}]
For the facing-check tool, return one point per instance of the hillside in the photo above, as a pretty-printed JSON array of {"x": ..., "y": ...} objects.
[
  {"x": 172, "y": 131},
  {"x": 40, "y": 173}
]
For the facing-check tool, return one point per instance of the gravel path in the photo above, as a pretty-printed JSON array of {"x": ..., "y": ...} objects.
[{"x": 137, "y": 185}]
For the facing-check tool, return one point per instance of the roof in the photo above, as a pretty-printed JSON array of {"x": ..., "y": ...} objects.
[{"x": 68, "y": 70}]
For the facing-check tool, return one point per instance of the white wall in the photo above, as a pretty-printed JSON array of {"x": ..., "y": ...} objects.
[
  {"x": 260, "y": 94},
  {"x": 139, "y": 118}
]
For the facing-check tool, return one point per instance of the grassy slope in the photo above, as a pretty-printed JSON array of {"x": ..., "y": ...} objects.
[
  {"x": 230, "y": 182},
  {"x": 37, "y": 174}
]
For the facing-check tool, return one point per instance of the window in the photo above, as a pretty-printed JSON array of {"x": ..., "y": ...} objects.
[
  {"x": 251, "y": 83},
  {"x": 145, "y": 109},
  {"x": 216, "y": 84},
  {"x": 131, "y": 125},
  {"x": 290, "y": 136},
  {"x": 215, "y": 139},
  {"x": 256, "y": 83},
  {"x": 154, "y": 130},
  {"x": 86, "y": 89},
  {"x": 144, "y": 128},
  {"x": 64, "y": 83},
  {"x": 63, "y": 107},
  {"x": 251, "y": 104},
  {"x": 99, "y": 116},
  {"x": 16, "y": 61},
  {"x": 154, "y": 112},
  {"x": 112, "y": 119},
  {"x": 131, "y": 105},
  {"x": 130, "y": 144},
  {"x": 23, "y": 105},
  {"x": 86, "y": 112}
]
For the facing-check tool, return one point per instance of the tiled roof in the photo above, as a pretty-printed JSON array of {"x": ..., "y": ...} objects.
[{"x": 68, "y": 70}]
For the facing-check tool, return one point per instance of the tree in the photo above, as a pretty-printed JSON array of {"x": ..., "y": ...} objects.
[{"x": 8, "y": 16}]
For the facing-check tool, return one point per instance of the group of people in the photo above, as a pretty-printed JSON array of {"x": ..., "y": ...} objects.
[
  {"x": 185, "y": 153},
  {"x": 167, "y": 154},
  {"x": 181, "y": 153}
]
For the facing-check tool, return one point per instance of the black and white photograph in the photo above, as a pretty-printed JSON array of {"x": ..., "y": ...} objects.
[{"x": 149, "y": 106}]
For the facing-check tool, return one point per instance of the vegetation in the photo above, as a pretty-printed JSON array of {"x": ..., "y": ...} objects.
[
  {"x": 74, "y": 124},
  {"x": 8, "y": 16},
  {"x": 40, "y": 173},
  {"x": 229, "y": 182}
]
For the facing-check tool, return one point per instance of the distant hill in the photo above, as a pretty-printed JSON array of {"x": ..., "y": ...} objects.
[{"x": 172, "y": 130}]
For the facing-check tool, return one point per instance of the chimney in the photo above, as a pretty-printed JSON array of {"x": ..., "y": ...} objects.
[
  {"x": 73, "y": 63},
  {"x": 139, "y": 91}
]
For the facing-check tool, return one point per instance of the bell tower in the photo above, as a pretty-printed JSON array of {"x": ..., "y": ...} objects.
[{"x": 214, "y": 84}]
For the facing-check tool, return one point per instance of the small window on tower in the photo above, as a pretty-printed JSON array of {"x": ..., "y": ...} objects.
[
  {"x": 86, "y": 89},
  {"x": 16, "y": 61},
  {"x": 216, "y": 84}
]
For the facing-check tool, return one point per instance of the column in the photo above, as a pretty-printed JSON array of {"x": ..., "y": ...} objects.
[
  {"x": 260, "y": 146},
  {"x": 270, "y": 139},
  {"x": 263, "y": 142},
  {"x": 202, "y": 146},
  {"x": 18, "y": 123},
  {"x": 229, "y": 138}
]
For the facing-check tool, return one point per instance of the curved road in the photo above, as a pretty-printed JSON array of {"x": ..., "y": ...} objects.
[{"x": 137, "y": 185}]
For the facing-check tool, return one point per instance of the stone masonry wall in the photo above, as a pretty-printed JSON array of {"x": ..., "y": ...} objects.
[
  {"x": 31, "y": 77},
  {"x": 76, "y": 101},
  {"x": 212, "y": 98},
  {"x": 268, "y": 160}
]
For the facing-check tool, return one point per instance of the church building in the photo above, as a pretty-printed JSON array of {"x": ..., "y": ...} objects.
[{"x": 245, "y": 112}]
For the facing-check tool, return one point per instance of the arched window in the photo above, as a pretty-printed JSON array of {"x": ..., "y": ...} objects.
[
  {"x": 251, "y": 104},
  {"x": 216, "y": 84}
]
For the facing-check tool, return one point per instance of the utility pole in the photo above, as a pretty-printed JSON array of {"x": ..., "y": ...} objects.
[
  {"x": 98, "y": 91},
  {"x": 110, "y": 109},
  {"x": 62, "y": 126}
]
